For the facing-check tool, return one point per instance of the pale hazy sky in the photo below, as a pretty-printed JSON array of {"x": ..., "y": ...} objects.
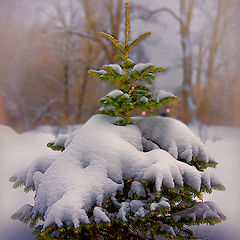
[{"x": 163, "y": 46}]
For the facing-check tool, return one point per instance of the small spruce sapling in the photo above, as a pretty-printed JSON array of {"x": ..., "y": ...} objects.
[
  {"x": 161, "y": 187},
  {"x": 130, "y": 78}
]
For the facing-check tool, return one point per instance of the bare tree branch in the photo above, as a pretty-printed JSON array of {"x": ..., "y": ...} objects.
[
  {"x": 228, "y": 61},
  {"x": 150, "y": 13},
  {"x": 79, "y": 34},
  {"x": 41, "y": 112}
]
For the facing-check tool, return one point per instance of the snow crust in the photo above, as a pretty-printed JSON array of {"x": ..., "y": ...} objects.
[{"x": 97, "y": 158}]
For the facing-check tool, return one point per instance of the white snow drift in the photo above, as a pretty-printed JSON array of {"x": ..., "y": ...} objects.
[{"x": 99, "y": 156}]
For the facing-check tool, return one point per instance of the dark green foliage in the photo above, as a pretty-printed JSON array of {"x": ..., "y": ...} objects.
[
  {"x": 55, "y": 147},
  {"x": 200, "y": 165},
  {"x": 21, "y": 183},
  {"x": 27, "y": 217},
  {"x": 135, "y": 95},
  {"x": 180, "y": 198}
]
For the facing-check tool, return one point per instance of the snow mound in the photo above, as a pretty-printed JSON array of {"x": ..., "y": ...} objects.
[
  {"x": 115, "y": 93},
  {"x": 204, "y": 210},
  {"x": 6, "y": 131},
  {"x": 172, "y": 136},
  {"x": 140, "y": 66},
  {"x": 161, "y": 94},
  {"x": 98, "y": 158}
]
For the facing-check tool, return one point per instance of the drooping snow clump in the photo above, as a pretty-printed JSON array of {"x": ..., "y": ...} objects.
[{"x": 99, "y": 157}]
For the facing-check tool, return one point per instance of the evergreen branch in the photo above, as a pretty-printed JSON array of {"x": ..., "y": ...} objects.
[
  {"x": 160, "y": 69},
  {"x": 139, "y": 39},
  {"x": 127, "y": 6},
  {"x": 148, "y": 69},
  {"x": 111, "y": 70},
  {"x": 55, "y": 147},
  {"x": 114, "y": 41},
  {"x": 110, "y": 100},
  {"x": 167, "y": 100}
]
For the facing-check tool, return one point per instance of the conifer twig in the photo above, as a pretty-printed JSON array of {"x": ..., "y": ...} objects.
[{"x": 127, "y": 6}]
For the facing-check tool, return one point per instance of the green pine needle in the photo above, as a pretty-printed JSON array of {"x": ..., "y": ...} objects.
[
  {"x": 139, "y": 39},
  {"x": 114, "y": 41}
]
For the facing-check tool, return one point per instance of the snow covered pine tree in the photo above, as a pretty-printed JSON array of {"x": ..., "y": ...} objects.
[{"x": 122, "y": 177}]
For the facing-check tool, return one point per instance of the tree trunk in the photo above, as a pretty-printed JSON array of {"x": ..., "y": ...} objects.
[
  {"x": 236, "y": 102},
  {"x": 115, "y": 14},
  {"x": 197, "y": 95},
  {"x": 215, "y": 42},
  {"x": 186, "y": 11},
  {"x": 81, "y": 95},
  {"x": 66, "y": 94},
  {"x": 115, "y": 21},
  {"x": 3, "y": 114}
]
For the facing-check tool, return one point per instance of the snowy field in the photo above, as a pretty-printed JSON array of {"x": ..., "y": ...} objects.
[
  {"x": 17, "y": 150},
  {"x": 224, "y": 144}
]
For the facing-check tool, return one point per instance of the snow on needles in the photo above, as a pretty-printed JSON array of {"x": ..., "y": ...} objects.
[
  {"x": 116, "y": 68},
  {"x": 161, "y": 94},
  {"x": 115, "y": 93},
  {"x": 140, "y": 66},
  {"x": 98, "y": 157}
]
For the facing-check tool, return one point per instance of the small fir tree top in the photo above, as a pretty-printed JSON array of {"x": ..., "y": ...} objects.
[{"x": 130, "y": 79}]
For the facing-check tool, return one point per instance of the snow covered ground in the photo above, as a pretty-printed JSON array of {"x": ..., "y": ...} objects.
[
  {"x": 18, "y": 150},
  {"x": 224, "y": 144}
]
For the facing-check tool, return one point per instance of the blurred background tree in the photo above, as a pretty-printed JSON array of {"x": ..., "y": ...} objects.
[{"x": 47, "y": 48}]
